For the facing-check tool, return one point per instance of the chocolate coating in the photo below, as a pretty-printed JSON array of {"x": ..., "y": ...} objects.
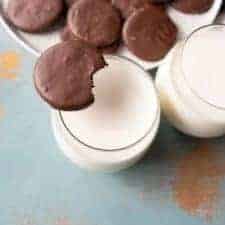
[
  {"x": 66, "y": 34},
  {"x": 34, "y": 16},
  {"x": 95, "y": 22},
  {"x": 110, "y": 49},
  {"x": 127, "y": 7},
  {"x": 63, "y": 75},
  {"x": 192, "y": 6},
  {"x": 160, "y": 1},
  {"x": 149, "y": 33},
  {"x": 70, "y": 2}
]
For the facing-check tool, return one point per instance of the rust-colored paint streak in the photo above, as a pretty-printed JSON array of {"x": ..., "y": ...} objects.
[
  {"x": 196, "y": 187},
  {"x": 63, "y": 221},
  {"x": 9, "y": 64},
  {"x": 2, "y": 112},
  {"x": 9, "y": 60},
  {"x": 6, "y": 75}
]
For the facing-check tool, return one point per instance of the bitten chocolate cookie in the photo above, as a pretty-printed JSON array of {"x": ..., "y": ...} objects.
[
  {"x": 192, "y": 6},
  {"x": 127, "y": 7},
  {"x": 34, "y": 16},
  {"x": 95, "y": 22},
  {"x": 63, "y": 75},
  {"x": 149, "y": 33}
]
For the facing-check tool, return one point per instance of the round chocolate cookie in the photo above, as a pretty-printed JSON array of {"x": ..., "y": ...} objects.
[
  {"x": 63, "y": 75},
  {"x": 149, "y": 33},
  {"x": 192, "y": 6},
  {"x": 34, "y": 15},
  {"x": 70, "y": 2},
  {"x": 110, "y": 49},
  {"x": 66, "y": 34},
  {"x": 127, "y": 7},
  {"x": 95, "y": 22},
  {"x": 160, "y": 1}
]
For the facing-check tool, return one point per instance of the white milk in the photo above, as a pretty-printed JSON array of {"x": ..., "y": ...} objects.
[
  {"x": 116, "y": 130},
  {"x": 192, "y": 83}
]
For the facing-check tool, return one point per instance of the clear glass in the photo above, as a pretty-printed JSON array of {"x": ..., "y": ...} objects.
[
  {"x": 151, "y": 125},
  {"x": 185, "y": 109},
  {"x": 183, "y": 86},
  {"x": 89, "y": 156}
]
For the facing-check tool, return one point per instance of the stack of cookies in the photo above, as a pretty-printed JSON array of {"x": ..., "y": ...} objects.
[{"x": 142, "y": 25}]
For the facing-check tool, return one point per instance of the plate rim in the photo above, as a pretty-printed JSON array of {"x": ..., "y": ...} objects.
[{"x": 13, "y": 33}]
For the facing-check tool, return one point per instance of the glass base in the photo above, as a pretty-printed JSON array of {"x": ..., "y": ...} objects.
[{"x": 102, "y": 161}]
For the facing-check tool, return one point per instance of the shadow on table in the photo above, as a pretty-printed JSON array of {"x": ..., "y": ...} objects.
[{"x": 157, "y": 170}]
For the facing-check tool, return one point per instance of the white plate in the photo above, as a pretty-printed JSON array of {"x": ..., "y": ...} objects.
[{"x": 37, "y": 43}]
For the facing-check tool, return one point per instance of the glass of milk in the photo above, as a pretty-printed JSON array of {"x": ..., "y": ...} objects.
[
  {"x": 118, "y": 128},
  {"x": 191, "y": 84}
]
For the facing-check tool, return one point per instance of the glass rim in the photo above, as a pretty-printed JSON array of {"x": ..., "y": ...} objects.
[
  {"x": 152, "y": 125},
  {"x": 186, "y": 40}
]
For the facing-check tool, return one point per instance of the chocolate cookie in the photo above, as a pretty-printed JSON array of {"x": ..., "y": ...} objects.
[
  {"x": 110, "y": 49},
  {"x": 95, "y": 22},
  {"x": 192, "y": 6},
  {"x": 149, "y": 33},
  {"x": 160, "y": 1},
  {"x": 127, "y": 7},
  {"x": 70, "y": 2},
  {"x": 63, "y": 75},
  {"x": 34, "y": 16},
  {"x": 66, "y": 34}
]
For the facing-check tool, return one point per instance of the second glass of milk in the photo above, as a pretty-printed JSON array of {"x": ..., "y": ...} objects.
[
  {"x": 191, "y": 84},
  {"x": 118, "y": 128}
]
